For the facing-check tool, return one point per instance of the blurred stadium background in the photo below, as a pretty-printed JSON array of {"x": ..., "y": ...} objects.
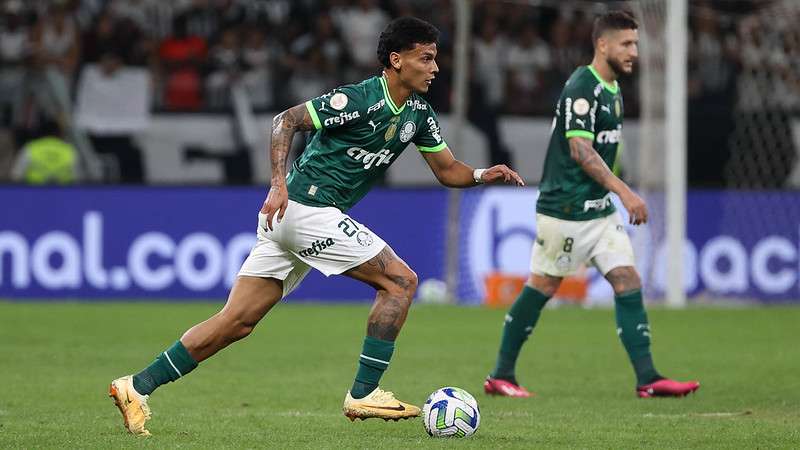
[{"x": 165, "y": 106}]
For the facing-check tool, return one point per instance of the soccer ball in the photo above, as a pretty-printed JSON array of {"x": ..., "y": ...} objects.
[
  {"x": 432, "y": 291},
  {"x": 451, "y": 411}
]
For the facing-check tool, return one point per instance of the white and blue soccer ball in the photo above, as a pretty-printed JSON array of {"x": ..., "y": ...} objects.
[{"x": 451, "y": 412}]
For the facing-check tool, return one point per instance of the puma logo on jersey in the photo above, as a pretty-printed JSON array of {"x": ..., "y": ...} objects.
[
  {"x": 370, "y": 159},
  {"x": 374, "y": 125},
  {"x": 581, "y": 122},
  {"x": 606, "y": 108}
]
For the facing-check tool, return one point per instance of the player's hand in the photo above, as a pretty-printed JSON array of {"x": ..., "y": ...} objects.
[
  {"x": 637, "y": 209},
  {"x": 277, "y": 201},
  {"x": 502, "y": 173}
]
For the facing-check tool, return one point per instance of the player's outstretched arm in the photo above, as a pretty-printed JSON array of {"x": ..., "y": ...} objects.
[
  {"x": 284, "y": 125},
  {"x": 586, "y": 156},
  {"x": 453, "y": 173}
]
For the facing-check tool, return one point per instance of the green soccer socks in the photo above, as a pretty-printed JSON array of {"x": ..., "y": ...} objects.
[
  {"x": 170, "y": 365},
  {"x": 373, "y": 361},
  {"x": 519, "y": 323},
  {"x": 634, "y": 332}
]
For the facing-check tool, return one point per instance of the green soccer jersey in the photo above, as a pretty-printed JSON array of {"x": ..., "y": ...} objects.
[
  {"x": 359, "y": 133},
  {"x": 589, "y": 108}
]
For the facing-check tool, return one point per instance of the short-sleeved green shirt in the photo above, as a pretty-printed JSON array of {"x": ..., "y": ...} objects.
[
  {"x": 589, "y": 108},
  {"x": 359, "y": 133}
]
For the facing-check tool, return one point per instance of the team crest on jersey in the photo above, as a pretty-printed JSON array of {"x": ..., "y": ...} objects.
[
  {"x": 407, "y": 132},
  {"x": 617, "y": 107},
  {"x": 392, "y": 129},
  {"x": 364, "y": 239},
  {"x": 338, "y": 101},
  {"x": 581, "y": 106}
]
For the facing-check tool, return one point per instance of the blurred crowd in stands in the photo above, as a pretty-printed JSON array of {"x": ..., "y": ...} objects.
[
  {"x": 283, "y": 51},
  {"x": 194, "y": 55}
]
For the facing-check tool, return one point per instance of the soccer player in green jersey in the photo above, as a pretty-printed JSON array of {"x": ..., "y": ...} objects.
[
  {"x": 358, "y": 131},
  {"x": 575, "y": 220}
]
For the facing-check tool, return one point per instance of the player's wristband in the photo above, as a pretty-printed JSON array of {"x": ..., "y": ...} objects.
[{"x": 477, "y": 174}]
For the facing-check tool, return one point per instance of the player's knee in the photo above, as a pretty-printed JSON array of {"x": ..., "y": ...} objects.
[
  {"x": 624, "y": 279},
  {"x": 409, "y": 283},
  {"x": 241, "y": 329},
  {"x": 237, "y": 326},
  {"x": 547, "y": 285},
  {"x": 402, "y": 284}
]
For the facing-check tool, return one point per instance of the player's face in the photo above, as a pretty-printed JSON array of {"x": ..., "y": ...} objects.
[
  {"x": 418, "y": 67},
  {"x": 622, "y": 50}
]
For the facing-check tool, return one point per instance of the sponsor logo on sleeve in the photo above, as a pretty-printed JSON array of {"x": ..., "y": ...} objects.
[
  {"x": 433, "y": 127},
  {"x": 610, "y": 136},
  {"x": 341, "y": 119}
]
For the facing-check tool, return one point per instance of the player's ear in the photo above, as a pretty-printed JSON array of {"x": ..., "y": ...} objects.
[
  {"x": 602, "y": 44},
  {"x": 394, "y": 60}
]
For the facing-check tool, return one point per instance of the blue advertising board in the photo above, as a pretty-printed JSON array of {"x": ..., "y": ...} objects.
[
  {"x": 740, "y": 244},
  {"x": 179, "y": 243},
  {"x": 188, "y": 243}
]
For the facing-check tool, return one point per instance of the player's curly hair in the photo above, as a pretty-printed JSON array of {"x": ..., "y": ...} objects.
[
  {"x": 613, "y": 20},
  {"x": 402, "y": 33}
]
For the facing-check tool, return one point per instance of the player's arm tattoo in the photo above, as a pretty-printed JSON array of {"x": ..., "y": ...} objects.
[
  {"x": 284, "y": 125},
  {"x": 586, "y": 156}
]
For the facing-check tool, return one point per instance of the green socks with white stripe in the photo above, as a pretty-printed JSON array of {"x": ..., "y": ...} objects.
[
  {"x": 374, "y": 360},
  {"x": 634, "y": 332},
  {"x": 170, "y": 365}
]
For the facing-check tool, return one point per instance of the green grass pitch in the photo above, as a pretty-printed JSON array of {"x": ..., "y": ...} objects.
[{"x": 283, "y": 386}]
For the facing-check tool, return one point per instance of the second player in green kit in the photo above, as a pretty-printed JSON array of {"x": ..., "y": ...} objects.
[{"x": 576, "y": 222}]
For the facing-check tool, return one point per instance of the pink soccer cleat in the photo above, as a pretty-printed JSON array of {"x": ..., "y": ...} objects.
[
  {"x": 667, "y": 388},
  {"x": 504, "y": 388}
]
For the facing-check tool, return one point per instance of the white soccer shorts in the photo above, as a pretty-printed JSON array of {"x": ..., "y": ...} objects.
[
  {"x": 307, "y": 236},
  {"x": 561, "y": 246}
]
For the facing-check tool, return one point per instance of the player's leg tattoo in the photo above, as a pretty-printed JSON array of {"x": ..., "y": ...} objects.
[
  {"x": 385, "y": 322},
  {"x": 395, "y": 284},
  {"x": 380, "y": 260}
]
